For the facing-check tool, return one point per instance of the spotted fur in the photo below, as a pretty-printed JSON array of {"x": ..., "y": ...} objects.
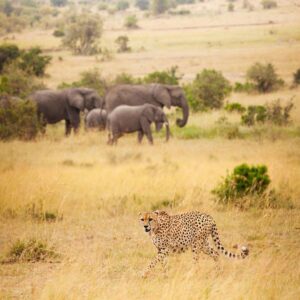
[{"x": 175, "y": 234}]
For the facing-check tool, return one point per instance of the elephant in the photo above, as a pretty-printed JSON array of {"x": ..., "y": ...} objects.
[
  {"x": 127, "y": 119},
  {"x": 157, "y": 94},
  {"x": 96, "y": 118},
  {"x": 54, "y": 106}
]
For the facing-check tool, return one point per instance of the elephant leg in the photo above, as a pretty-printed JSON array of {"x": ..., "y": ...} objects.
[
  {"x": 140, "y": 136},
  {"x": 75, "y": 119},
  {"x": 68, "y": 127},
  {"x": 147, "y": 130}
]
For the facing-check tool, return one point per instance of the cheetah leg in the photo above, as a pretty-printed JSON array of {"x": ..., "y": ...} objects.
[
  {"x": 161, "y": 258},
  {"x": 207, "y": 249}
]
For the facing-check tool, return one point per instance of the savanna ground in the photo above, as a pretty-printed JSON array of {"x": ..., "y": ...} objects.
[{"x": 97, "y": 191}]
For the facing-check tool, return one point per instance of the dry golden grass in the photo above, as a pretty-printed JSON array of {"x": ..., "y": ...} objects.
[{"x": 99, "y": 190}]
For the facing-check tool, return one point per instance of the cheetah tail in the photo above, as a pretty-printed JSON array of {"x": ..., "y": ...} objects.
[{"x": 215, "y": 236}]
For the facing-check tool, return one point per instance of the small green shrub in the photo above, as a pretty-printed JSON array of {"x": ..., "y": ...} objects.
[
  {"x": 90, "y": 79},
  {"x": 235, "y": 107},
  {"x": 268, "y": 4},
  {"x": 254, "y": 114},
  {"x": 243, "y": 181},
  {"x": 264, "y": 77},
  {"x": 246, "y": 87},
  {"x": 131, "y": 22},
  {"x": 181, "y": 12},
  {"x": 18, "y": 119},
  {"x": 58, "y": 33},
  {"x": 8, "y": 53},
  {"x": 31, "y": 250},
  {"x": 208, "y": 90},
  {"x": 230, "y": 7},
  {"x": 122, "y": 42},
  {"x": 169, "y": 76},
  {"x": 125, "y": 78}
]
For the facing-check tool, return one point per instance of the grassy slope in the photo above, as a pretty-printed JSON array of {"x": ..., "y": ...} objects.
[{"x": 100, "y": 190}]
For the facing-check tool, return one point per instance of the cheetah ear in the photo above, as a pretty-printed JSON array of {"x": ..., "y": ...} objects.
[{"x": 161, "y": 212}]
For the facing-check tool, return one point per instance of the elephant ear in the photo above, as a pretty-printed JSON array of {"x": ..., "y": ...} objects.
[
  {"x": 162, "y": 95},
  {"x": 149, "y": 112},
  {"x": 76, "y": 99}
]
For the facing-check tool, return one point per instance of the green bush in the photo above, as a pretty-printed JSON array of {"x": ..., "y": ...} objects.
[
  {"x": 180, "y": 12},
  {"x": 230, "y": 7},
  {"x": 264, "y": 77},
  {"x": 273, "y": 113},
  {"x": 243, "y": 181},
  {"x": 31, "y": 250},
  {"x": 122, "y": 42},
  {"x": 125, "y": 78},
  {"x": 90, "y": 79},
  {"x": 58, "y": 33},
  {"x": 131, "y": 22},
  {"x": 268, "y": 4},
  {"x": 8, "y": 53},
  {"x": 33, "y": 62},
  {"x": 160, "y": 6},
  {"x": 18, "y": 119},
  {"x": 243, "y": 87},
  {"x": 234, "y": 107},
  {"x": 17, "y": 82},
  {"x": 254, "y": 114},
  {"x": 208, "y": 90},
  {"x": 169, "y": 76}
]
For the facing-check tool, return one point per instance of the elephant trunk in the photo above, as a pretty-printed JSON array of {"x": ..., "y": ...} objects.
[
  {"x": 167, "y": 131},
  {"x": 185, "y": 112}
]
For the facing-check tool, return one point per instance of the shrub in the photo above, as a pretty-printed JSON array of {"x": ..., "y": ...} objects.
[
  {"x": 243, "y": 87},
  {"x": 31, "y": 250},
  {"x": 122, "y": 42},
  {"x": 235, "y": 106},
  {"x": 208, "y": 90},
  {"x": 8, "y": 53},
  {"x": 264, "y": 77},
  {"x": 90, "y": 79},
  {"x": 297, "y": 77},
  {"x": 169, "y": 76},
  {"x": 243, "y": 181},
  {"x": 18, "y": 119},
  {"x": 131, "y": 22},
  {"x": 268, "y": 4},
  {"x": 180, "y": 12},
  {"x": 185, "y": 1},
  {"x": 125, "y": 78},
  {"x": 254, "y": 114},
  {"x": 273, "y": 112},
  {"x": 32, "y": 62},
  {"x": 142, "y": 4},
  {"x": 82, "y": 35},
  {"x": 17, "y": 82},
  {"x": 122, "y": 5},
  {"x": 58, "y": 33}
]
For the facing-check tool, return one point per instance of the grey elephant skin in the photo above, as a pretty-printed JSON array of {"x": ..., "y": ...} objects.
[
  {"x": 96, "y": 118},
  {"x": 128, "y": 119},
  {"x": 54, "y": 106},
  {"x": 157, "y": 94}
]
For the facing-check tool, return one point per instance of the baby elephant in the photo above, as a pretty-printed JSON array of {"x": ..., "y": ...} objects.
[
  {"x": 127, "y": 119},
  {"x": 96, "y": 118}
]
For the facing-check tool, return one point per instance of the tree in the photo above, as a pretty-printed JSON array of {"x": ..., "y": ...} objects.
[
  {"x": 122, "y": 5},
  {"x": 82, "y": 35},
  {"x": 159, "y": 6},
  {"x": 264, "y": 77},
  {"x": 59, "y": 2},
  {"x": 268, "y": 4},
  {"x": 142, "y": 4}
]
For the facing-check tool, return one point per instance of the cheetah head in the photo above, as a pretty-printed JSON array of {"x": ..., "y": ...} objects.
[{"x": 150, "y": 220}]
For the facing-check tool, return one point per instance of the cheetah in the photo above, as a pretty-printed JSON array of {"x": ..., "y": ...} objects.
[{"x": 177, "y": 233}]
